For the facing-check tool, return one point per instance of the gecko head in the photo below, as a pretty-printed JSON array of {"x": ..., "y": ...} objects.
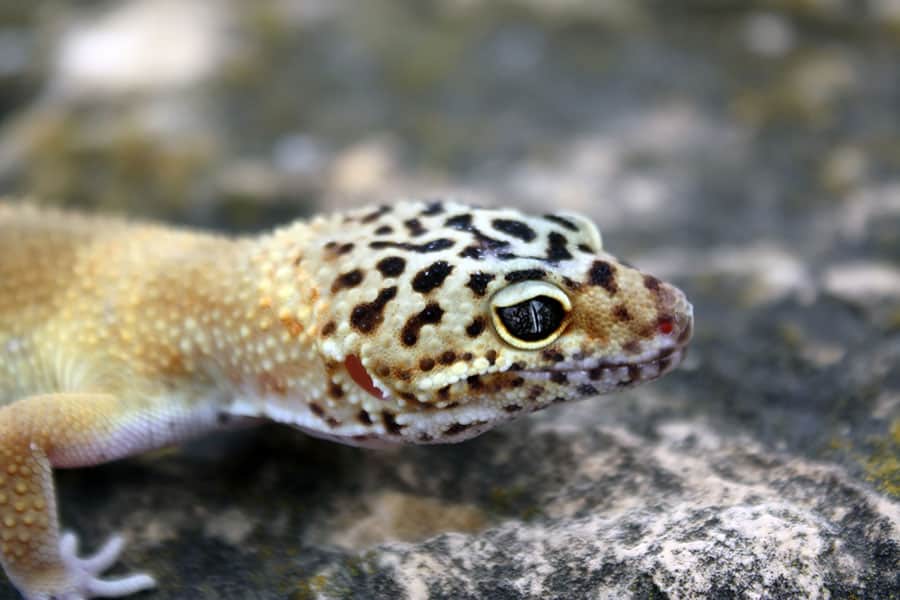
[{"x": 446, "y": 320}]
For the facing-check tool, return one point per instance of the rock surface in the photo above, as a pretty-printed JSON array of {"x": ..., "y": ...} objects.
[{"x": 749, "y": 153}]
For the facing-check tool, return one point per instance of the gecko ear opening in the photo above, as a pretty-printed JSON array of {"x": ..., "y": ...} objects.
[{"x": 531, "y": 314}]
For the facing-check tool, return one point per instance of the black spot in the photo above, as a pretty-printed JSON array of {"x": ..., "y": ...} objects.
[
  {"x": 484, "y": 245},
  {"x": 460, "y": 222},
  {"x": 328, "y": 329},
  {"x": 344, "y": 248},
  {"x": 512, "y": 408},
  {"x": 562, "y": 221},
  {"x": 433, "y": 208},
  {"x": 364, "y": 417},
  {"x": 317, "y": 410},
  {"x": 478, "y": 282},
  {"x": 559, "y": 377},
  {"x": 448, "y": 357},
  {"x": 516, "y": 229},
  {"x": 391, "y": 266},
  {"x": 430, "y": 315},
  {"x": 384, "y": 230},
  {"x": 586, "y": 248},
  {"x": 491, "y": 356},
  {"x": 347, "y": 280},
  {"x": 525, "y": 275},
  {"x": 431, "y": 277},
  {"x": 474, "y": 382},
  {"x": 603, "y": 274},
  {"x": 414, "y": 226},
  {"x": 586, "y": 389},
  {"x": 335, "y": 390},
  {"x": 535, "y": 392},
  {"x": 556, "y": 249},
  {"x": 457, "y": 428},
  {"x": 390, "y": 423},
  {"x": 596, "y": 373},
  {"x": 366, "y": 317},
  {"x": 467, "y": 356},
  {"x": 444, "y": 392},
  {"x": 383, "y": 209},
  {"x": 432, "y": 246},
  {"x": 426, "y": 364},
  {"x": 476, "y": 327},
  {"x": 517, "y": 382}
]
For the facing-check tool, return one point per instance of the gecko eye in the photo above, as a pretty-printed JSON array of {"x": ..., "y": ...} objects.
[{"x": 530, "y": 314}]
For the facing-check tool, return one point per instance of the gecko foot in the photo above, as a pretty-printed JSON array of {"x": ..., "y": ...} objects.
[{"x": 82, "y": 581}]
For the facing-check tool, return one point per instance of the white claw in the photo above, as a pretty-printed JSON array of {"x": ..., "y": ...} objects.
[{"x": 82, "y": 579}]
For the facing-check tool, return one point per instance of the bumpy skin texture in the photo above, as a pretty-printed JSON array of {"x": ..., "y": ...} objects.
[{"x": 417, "y": 322}]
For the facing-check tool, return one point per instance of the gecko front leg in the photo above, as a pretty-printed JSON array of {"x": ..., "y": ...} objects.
[{"x": 66, "y": 430}]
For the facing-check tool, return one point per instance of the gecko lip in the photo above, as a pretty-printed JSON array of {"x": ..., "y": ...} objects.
[{"x": 608, "y": 375}]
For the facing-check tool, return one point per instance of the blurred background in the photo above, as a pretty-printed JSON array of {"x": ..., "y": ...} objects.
[{"x": 749, "y": 151}]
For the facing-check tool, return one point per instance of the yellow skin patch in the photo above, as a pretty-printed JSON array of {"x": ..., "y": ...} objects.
[{"x": 421, "y": 323}]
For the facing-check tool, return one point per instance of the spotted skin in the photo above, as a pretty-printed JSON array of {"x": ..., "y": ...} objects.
[{"x": 416, "y": 322}]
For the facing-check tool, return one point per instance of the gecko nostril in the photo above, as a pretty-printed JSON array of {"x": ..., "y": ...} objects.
[{"x": 666, "y": 325}]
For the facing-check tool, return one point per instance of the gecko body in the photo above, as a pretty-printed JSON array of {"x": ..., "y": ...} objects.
[{"x": 413, "y": 323}]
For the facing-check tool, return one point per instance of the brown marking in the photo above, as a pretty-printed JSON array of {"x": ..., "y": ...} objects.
[
  {"x": 491, "y": 356},
  {"x": 559, "y": 377},
  {"x": 516, "y": 229},
  {"x": 556, "y": 247},
  {"x": 467, "y": 356},
  {"x": 347, "y": 280},
  {"x": 562, "y": 221},
  {"x": 433, "y": 208},
  {"x": 444, "y": 392},
  {"x": 478, "y": 283},
  {"x": 384, "y": 230},
  {"x": 414, "y": 226},
  {"x": 603, "y": 274},
  {"x": 430, "y": 315},
  {"x": 317, "y": 410},
  {"x": 364, "y": 417},
  {"x": 652, "y": 283},
  {"x": 383, "y": 209},
  {"x": 476, "y": 327},
  {"x": 512, "y": 408},
  {"x": 474, "y": 382},
  {"x": 431, "y": 277},
  {"x": 535, "y": 392},
  {"x": 391, "y": 266},
  {"x": 553, "y": 355},
  {"x": 586, "y": 389},
  {"x": 632, "y": 347},
  {"x": 516, "y": 382},
  {"x": 426, "y": 364},
  {"x": 366, "y": 317},
  {"x": 586, "y": 249},
  {"x": 432, "y": 246},
  {"x": 328, "y": 329},
  {"x": 621, "y": 313},
  {"x": 525, "y": 275},
  {"x": 335, "y": 390},
  {"x": 447, "y": 358}
]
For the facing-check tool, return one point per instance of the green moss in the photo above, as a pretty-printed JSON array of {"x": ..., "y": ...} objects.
[{"x": 883, "y": 464}]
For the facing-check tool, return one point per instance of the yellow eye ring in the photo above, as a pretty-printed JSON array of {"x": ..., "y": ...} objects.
[{"x": 530, "y": 314}]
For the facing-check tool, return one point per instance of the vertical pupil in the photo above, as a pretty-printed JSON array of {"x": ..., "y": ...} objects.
[{"x": 533, "y": 319}]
